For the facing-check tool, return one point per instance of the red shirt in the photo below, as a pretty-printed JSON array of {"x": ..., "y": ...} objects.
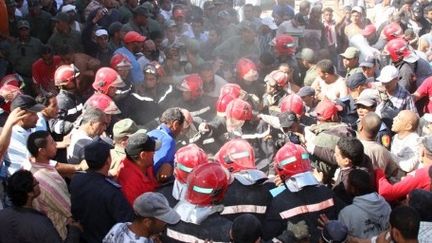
[
  {"x": 425, "y": 89},
  {"x": 43, "y": 74},
  {"x": 418, "y": 179},
  {"x": 134, "y": 182}
]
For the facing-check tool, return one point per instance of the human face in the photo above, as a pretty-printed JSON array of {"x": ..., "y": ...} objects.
[
  {"x": 123, "y": 73},
  {"x": 36, "y": 189},
  {"x": 62, "y": 26},
  {"x": 369, "y": 72},
  {"x": 398, "y": 123},
  {"x": 197, "y": 27},
  {"x": 429, "y": 15},
  {"x": 207, "y": 76},
  {"x": 248, "y": 12},
  {"x": 157, "y": 226},
  {"x": 112, "y": 91},
  {"x": 51, "y": 148},
  {"x": 48, "y": 58},
  {"x": 328, "y": 16},
  {"x": 350, "y": 63},
  {"x": 99, "y": 127},
  {"x": 390, "y": 86},
  {"x": 150, "y": 81},
  {"x": 362, "y": 110},
  {"x": 67, "y": 59},
  {"x": 213, "y": 37},
  {"x": 356, "y": 18},
  {"x": 341, "y": 161},
  {"x": 51, "y": 111},
  {"x": 24, "y": 33},
  {"x": 321, "y": 74},
  {"x": 29, "y": 120},
  {"x": 102, "y": 41}
]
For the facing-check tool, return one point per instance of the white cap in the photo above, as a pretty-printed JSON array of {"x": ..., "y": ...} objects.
[
  {"x": 388, "y": 73},
  {"x": 68, "y": 7},
  {"x": 101, "y": 32},
  {"x": 269, "y": 22}
]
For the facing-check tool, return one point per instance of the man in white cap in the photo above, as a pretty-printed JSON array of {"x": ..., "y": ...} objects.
[
  {"x": 152, "y": 214},
  {"x": 393, "y": 93}
]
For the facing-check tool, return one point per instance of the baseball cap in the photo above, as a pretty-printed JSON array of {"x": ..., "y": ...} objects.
[
  {"x": 68, "y": 7},
  {"x": 357, "y": 9},
  {"x": 369, "y": 30},
  {"x": 427, "y": 142},
  {"x": 368, "y": 97},
  {"x": 356, "y": 79},
  {"x": 27, "y": 103},
  {"x": 114, "y": 27},
  {"x": 142, "y": 10},
  {"x": 125, "y": 127},
  {"x": 64, "y": 17},
  {"x": 139, "y": 142},
  {"x": 368, "y": 62},
  {"x": 334, "y": 232},
  {"x": 287, "y": 119},
  {"x": 155, "y": 205},
  {"x": 23, "y": 23},
  {"x": 326, "y": 109},
  {"x": 97, "y": 152},
  {"x": 269, "y": 22},
  {"x": 307, "y": 54},
  {"x": 351, "y": 52},
  {"x": 246, "y": 228},
  {"x": 306, "y": 91},
  {"x": 101, "y": 32},
  {"x": 133, "y": 36},
  {"x": 388, "y": 73}
]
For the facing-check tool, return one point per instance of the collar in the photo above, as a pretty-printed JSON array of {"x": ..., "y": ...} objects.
[
  {"x": 297, "y": 182},
  {"x": 191, "y": 213},
  {"x": 166, "y": 129}
]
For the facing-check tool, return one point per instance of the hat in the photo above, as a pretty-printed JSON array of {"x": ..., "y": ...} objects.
[
  {"x": 224, "y": 14},
  {"x": 114, "y": 27},
  {"x": 64, "y": 17},
  {"x": 368, "y": 62},
  {"x": 246, "y": 228},
  {"x": 26, "y": 102},
  {"x": 139, "y": 142},
  {"x": 97, "y": 152},
  {"x": 357, "y": 9},
  {"x": 369, "y": 30},
  {"x": 23, "y": 23},
  {"x": 356, "y": 79},
  {"x": 287, "y": 119},
  {"x": 326, "y": 109},
  {"x": 351, "y": 52},
  {"x": 269, "y": 22},
  {"x": 155, "y": 205},
  {"x": 307, "y": 54},
  {"x": 142, "y": 10},
  {"x": 368, "y": 98},
  {"x": 179, "y": 12},
  {"x": 68, "y": 7},
  {"x": 101, "y": 32},
  {"x": 133, "y": 36},
  {"x": 306, "y": 91},
  {"x": 125, "y": 127},
  {"x": 388, "y": 73},
  {"x": 334, "y": 232},
  {"x": 427, "y": 143}
]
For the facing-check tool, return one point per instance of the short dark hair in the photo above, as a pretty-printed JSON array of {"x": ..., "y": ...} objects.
[
  {"x": 351, "y": 148},
  {"x": 171, "y": 115},
  {"x": 406, "y": 220},
  {"x": 46, "y": 49},
  {"x": 18, "y": 186},
  {"x": 326, "y": 66},
  {"x": 36, "y": 141},
  {"x": 421, "y": 201},
  {"x": 328, "y": 9},
  {"x": 44, "y": 98},
  {"x": 65, "y": 50},
  {"x": 246, "y": 229},
  {"x": 360, "y": 180}
]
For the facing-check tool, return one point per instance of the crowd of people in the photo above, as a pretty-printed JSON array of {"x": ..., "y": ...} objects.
[{"x": 209, "y": 121}]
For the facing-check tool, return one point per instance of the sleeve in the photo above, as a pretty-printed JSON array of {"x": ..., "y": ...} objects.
[
  {"x": 406, "y": 74},
  {"x": 273, "y": 224},
  {"x": 120, "y": 208},
  {"x": 325, "y": 154},
  {"x": 424, "y": 88},
  {"x": 47, "y": 232},
  {"x": 165, "y": 154},
  {"x": 393, "y": 192}
]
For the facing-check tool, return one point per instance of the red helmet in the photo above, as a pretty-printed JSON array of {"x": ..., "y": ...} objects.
[
  {"x": 105, "y": 78},
  {"x": 222, "y": 103},
  {"x": 284, "y": 44},
  {"x": 65, "y": 74},
  {"x": 277, "y": 77},
  {"x": 236, "y": 155},
  {"x": 207, "y": 184},
  {"x": 392, "y": 31},
  {"x": 233, "y": 90},
  {"x": 186, "y": 159},
  {"x": 192, "y": 83},
  {"x": 398, "y": 49},
  {"x": 239, "y": 109},
  {"x": 9, "y": 92},
  {"x": 103, "y": 103},
  {"x": 12, "y": 79},
  {"x": 293, "y": 103},
  {"x": 369, "y": 30},
  {"x": 291, "y": 159},
  {"x": 247, "y": 70},
  {"x": 120, "y": 62}
]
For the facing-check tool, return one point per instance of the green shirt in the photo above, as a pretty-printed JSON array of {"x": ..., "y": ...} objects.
[
  {"x": 23, "y": 54},
  {"x": 41, "y": 26},
  {"x": 72, "y": 39}
]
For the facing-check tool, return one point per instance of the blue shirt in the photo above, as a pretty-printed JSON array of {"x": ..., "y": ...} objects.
[
  {"x": 165, "y": 154},
  {"x": 136, "y": 72}
]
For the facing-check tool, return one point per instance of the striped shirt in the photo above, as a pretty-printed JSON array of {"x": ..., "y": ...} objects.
[{"x": 54, "y": 199}]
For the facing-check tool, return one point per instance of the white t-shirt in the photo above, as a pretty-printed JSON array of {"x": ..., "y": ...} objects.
[
  {"x": 121, "y": 233},
  {"x": 75, "y": 151},
  {"x": 405, "y": 152},
  {"x": 333, "y": 91}
]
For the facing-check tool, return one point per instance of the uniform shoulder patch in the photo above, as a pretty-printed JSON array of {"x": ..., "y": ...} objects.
[{"x": 112, "y": 182}]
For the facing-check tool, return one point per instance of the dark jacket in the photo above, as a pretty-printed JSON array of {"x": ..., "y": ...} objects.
[{"x": 97, "y": 203}]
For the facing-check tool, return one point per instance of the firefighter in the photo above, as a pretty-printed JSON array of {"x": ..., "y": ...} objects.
[{"x": 276, "y": 83}]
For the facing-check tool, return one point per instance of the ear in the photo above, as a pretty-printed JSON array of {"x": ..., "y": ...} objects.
[{"x": 40, "y": 150}]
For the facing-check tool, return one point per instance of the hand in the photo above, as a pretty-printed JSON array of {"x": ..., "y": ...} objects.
[
  {"x": 278, "y": 180},
  {"x": 318, "y": 175},
  {"x": 384, "y": 237},
  {"x": 67, "y": 140},
  {"x": 322, "y": 221},
  {"x": 15, "y": 116},
  {"x": 203, "y": 127},
  {"x": 82, "y": 166},
  {"x": 71, "y": 222},
  {"x": 164, "y": 173}
]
